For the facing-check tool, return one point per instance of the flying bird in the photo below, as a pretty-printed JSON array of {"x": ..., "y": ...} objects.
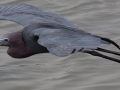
[{"x": 45, "y": 32}]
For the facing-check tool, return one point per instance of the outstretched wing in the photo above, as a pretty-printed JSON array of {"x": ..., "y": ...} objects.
[
  {"x": 26, "y": 14},
  {"x": 61, "y": 40}
]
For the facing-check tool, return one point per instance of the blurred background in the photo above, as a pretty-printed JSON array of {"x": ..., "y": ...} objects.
[{"x": 76, "y": 72}]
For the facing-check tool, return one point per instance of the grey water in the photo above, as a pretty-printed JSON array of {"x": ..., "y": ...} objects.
[{"x": 76, "y": 72}]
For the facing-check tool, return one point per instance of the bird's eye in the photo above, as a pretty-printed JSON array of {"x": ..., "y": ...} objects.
[{"x": 6, "y": 39}]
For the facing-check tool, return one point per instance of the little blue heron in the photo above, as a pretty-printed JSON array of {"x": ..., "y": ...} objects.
[{"x": 45, "y": 32}]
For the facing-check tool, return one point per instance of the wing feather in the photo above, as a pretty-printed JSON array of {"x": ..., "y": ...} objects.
[
  {"x": 25, "y": 14},
  {"x": 62, "y": 40}
]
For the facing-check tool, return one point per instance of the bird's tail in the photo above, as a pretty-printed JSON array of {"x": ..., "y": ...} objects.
[{"x": 95, "y": 53}]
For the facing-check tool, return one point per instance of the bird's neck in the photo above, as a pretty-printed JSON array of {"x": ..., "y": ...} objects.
[{"x": 18, "y": 48}]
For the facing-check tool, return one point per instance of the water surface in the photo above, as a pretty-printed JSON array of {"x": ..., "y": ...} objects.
[{"x": 75, "y": 72}]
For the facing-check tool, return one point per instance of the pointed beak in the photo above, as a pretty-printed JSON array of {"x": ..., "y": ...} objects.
[{"x": 3, "y": 41}]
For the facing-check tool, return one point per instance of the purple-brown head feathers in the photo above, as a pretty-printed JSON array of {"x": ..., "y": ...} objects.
[{"x": 17, "y": 47}]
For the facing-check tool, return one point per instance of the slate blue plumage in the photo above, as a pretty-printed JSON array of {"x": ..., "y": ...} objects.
[{"x": 47, "y": 32}]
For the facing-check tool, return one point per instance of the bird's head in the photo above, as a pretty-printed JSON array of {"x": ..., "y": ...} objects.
[{"x": 18, "y": 48}]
